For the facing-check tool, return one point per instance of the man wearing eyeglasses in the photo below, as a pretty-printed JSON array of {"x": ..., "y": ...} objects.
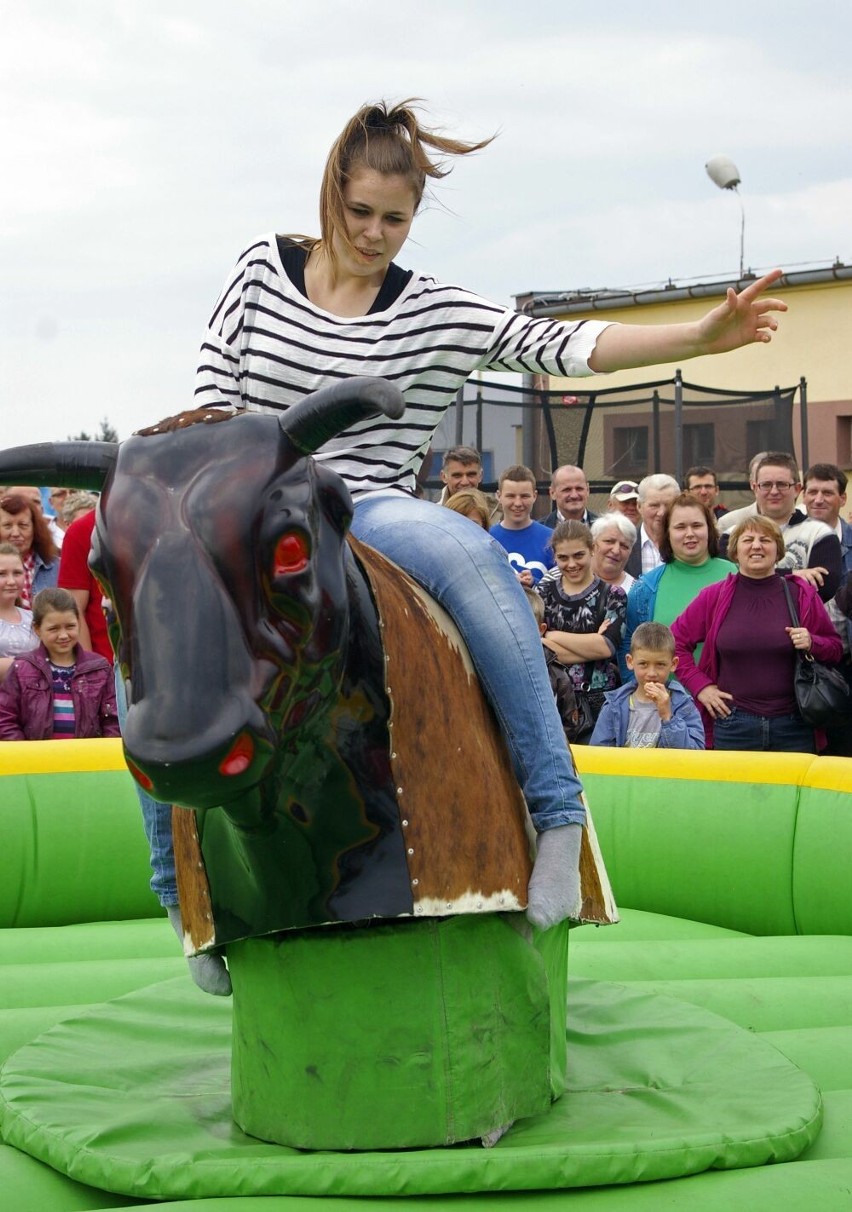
[
  {"x": 702, "y": 483},
  {"x": 813, "y": 550}
]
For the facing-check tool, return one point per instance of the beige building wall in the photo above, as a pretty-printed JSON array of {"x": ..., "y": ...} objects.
[{"x": 814, "y": 340}]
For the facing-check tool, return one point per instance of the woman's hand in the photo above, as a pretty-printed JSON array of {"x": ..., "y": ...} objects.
[
  {"x": 742, "y": 319},
  {"x": 715, "y": 701},
  {"x": 801, "y": 638}
]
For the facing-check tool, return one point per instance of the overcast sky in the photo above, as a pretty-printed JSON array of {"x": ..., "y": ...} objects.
[{"x": 144, "y": 143}]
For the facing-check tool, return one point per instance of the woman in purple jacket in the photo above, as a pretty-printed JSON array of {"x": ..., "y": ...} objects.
[
  {"x": 58, "y": 690},
  {"x": 743, "y": 681}
]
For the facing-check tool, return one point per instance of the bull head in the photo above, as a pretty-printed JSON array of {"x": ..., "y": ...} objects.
[{"x": 220, "y": 547}]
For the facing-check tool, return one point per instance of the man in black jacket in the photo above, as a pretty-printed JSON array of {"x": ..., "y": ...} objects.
[{"x": 569, "y": 491}]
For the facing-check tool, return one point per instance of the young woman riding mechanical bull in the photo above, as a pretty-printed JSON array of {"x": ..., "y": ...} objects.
[{"x": 298, "y": 314}]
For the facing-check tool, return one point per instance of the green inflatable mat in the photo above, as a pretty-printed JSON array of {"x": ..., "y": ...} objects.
[{"x": 134, "y": 1097}]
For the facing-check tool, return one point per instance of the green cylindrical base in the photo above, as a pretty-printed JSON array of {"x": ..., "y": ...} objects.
[{"x": 397, "y": 1035}]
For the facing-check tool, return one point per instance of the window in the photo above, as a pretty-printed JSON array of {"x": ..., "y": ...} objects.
[
  {"x": 630, "y": 451},
  {"x": 699, "y": 444},
  {"x": 760, "y": 435}
]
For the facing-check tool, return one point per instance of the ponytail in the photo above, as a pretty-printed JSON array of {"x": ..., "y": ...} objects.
[{"x": 389, "y": 141}]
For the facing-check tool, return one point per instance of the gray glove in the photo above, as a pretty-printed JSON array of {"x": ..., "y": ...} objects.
[
  {"x": 208, "y": 971},
  {"x": 554, "y": 891}
]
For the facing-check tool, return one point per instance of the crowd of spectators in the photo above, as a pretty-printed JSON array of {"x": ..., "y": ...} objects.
[
  {"x": 56, "y": 679},
  {"x": 665, "y": 612},
  {"x": 699, "y": 585}
]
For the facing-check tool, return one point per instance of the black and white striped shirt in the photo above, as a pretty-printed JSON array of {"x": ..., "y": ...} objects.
[{"x": 267, "y": 346}]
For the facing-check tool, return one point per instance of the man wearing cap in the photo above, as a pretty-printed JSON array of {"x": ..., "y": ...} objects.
[
  {"x": 569, "y": 491},
  {"x": 624, "y": 498}
]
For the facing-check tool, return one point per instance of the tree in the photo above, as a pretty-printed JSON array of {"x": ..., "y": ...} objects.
[{"x": 107, "y": 434}]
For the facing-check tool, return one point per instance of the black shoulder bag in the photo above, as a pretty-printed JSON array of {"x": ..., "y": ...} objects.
[{"x": 822, "y": 694}]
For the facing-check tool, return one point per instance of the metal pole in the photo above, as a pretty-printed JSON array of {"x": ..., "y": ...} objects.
[
  {"x": 478, "y": 442},
  {"x": 528, "y": 422},
  {"x": 655, "y": 425},
  {"x": 803, "y": 422},
  {"x": 678, "y": 425},
  {"x": 460, "y": 417},
  {"x": 742, "y": 233}
]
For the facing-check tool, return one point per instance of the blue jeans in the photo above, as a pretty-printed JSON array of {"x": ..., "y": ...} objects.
[
  {"x": 157, "y": 820},
  {"x": 778, "y": 733},
  {"x": 468, "y": 573}
]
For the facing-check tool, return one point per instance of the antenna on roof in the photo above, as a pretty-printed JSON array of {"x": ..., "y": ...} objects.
[{"x": 723, "y": 172}]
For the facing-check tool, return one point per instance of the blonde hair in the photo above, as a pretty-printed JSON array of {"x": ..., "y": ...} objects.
[
  {"x": 77, "y": 503},
  {"x": 761, "y": 525},
  {"x": 390, "y": 141},
  {"x": 536, "y": 603},
  {"x": 653, "y": 637},
  {"x": 472, "y": 503}
]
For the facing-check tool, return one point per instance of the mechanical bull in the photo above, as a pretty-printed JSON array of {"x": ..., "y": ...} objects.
[{"x": 285, "y": 684}]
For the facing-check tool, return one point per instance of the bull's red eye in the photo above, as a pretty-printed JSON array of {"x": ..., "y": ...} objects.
[
  {"x": 239, "y": 756},
  {"x": 291, "y": 554}
]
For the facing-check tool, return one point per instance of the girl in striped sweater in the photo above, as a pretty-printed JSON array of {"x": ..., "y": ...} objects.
[{"x": 296, "y": 314}]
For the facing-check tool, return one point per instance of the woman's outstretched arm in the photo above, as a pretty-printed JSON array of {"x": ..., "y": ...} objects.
[{"x": 741, "y": 319}]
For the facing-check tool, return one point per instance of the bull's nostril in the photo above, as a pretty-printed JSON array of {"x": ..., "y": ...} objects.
[
  {"x": 239, "y": 757},
  {"x": 142, "y": 779}
]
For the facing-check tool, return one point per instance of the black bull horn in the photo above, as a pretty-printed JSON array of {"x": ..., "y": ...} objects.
[
  {"x": 326, "y": 413},
  {"x": 72, "y": 464},
  {"x": 308, "y": 425}
]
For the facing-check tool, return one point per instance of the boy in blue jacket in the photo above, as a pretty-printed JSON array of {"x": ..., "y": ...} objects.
[{"x": 652, "y": 711}]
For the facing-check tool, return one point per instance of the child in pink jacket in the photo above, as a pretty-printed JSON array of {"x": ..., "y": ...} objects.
[{"x": 58, "y": 690}]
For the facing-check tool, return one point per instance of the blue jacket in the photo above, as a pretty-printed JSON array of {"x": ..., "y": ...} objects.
[
  {"x": 684, "y": 730},
  {"x": 641, "y": 602},
  {"x": 846, "y": 545},
  {"x": 44, "y": 575}
]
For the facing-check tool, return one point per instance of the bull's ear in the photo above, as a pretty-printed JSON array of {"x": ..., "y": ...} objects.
[
  {"x": 326, "y": 413},
  {"x": 72, "y": 464}
]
